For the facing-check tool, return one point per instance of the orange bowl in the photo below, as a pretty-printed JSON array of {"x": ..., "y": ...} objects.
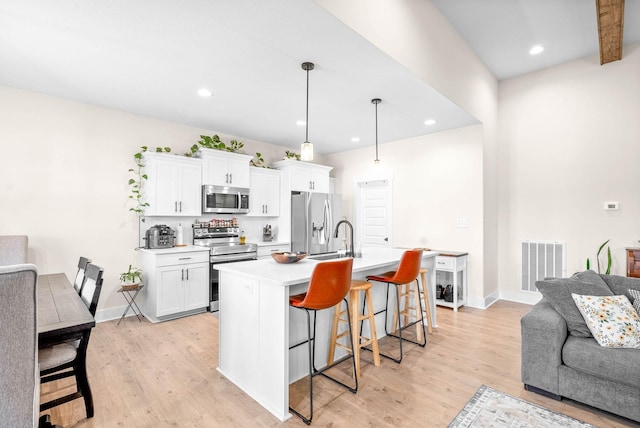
[{"x": 287, "y": 257}]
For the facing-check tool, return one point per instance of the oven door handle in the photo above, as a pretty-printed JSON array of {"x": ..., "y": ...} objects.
[{"x": 233, "y": 258}]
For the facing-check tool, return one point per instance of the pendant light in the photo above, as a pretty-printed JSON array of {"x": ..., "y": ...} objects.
[
  {"x": 306, "y": 148},
  {"x": 376, "y": 101}
]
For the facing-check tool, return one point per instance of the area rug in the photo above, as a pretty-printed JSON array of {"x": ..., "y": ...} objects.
[{"x": 492, "y": 408}]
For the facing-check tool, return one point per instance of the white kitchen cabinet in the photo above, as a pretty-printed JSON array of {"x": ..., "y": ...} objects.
[
  {"x": 306, "y": 176},
  {"x": 173, "y": 185},
  {"x": 221, "y": 168},
  {"x": 265, "y": 193},
  {"x": 176, "y": 282},
  {"x": 265, "y": 249},
  {"x": 451, "y": 268}
]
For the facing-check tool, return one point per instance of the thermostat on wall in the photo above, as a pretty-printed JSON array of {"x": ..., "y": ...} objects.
[{"x": 610, "y": 206}]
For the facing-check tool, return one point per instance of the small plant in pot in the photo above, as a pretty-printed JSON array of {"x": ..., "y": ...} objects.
[{"x": 131, "y": 278}]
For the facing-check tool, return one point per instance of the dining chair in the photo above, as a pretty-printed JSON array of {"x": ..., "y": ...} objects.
[
  {"x": 69, "y": 359},
  {"x": 19, "y": 386},
  {"x": 13, "y": 249},
  {"x": 80, "y": 276},
  {"x": 329, "y": 284}
]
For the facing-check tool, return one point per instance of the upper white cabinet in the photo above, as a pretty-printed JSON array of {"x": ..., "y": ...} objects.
[
  {"x": 173, "y": 185},
  {"x": 265, "y": 193},
  {"x": 305, "y": 176},
  {"x": 221, "y": 168}
]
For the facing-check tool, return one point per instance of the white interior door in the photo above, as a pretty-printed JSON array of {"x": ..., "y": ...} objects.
[{"x": 374, "y": 204}]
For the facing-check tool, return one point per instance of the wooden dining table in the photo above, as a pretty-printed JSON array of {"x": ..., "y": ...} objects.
[{"x": 62, "y": 314}]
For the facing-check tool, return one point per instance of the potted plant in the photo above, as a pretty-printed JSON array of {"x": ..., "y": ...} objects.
[
  {"x": 131, "y": 278},
  {"x": 291, "y": 155}
]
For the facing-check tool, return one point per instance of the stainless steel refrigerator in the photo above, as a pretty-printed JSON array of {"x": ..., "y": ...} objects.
[{"x": 313, "y": 222}]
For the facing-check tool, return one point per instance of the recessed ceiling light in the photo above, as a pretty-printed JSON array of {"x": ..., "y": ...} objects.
[
  {"x": 536, "y": 50},
  {"x": 430, "y": 122},
  {"x": 355, "y": 139},
  {"x": 301, "y": 123},
  {"x": 204, "y": 92}
]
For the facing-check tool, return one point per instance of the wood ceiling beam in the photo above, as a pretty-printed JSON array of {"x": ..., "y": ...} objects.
[{"x": 610, "y": 26}]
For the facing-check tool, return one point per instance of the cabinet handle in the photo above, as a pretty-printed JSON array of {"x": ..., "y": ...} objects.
[
  {"x": 180, "y": 206},
  {"x": 266, "y": 208},
  {"x": 184, "y": 258},
  {"x": 175, "y": 206},
  {"x": 226, "y": 178},
  {"x": 310, "y": 184},
  {"x": 230, "y": 178},
  {"x": 182, "y": 274},
  {"x": 187, "y": 274}
]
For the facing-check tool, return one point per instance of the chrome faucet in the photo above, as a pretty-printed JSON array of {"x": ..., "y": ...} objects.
[{"x": 351, "y": 252}]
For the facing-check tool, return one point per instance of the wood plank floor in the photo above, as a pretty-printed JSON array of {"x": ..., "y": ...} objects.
[{"x": 164, "y": 375}]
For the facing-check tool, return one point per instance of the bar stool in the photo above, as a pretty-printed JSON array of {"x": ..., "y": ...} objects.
[
  {"x": 407, "y": 272},
  {"x": 356, "y": 320},
  {"x": 329, "y": 284},
  {"x": 424, "y": 293}
]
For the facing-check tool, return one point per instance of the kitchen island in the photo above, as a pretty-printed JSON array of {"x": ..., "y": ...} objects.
[{"x": 257, "y": 325}]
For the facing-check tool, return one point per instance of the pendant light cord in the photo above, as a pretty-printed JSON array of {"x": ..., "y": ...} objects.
[
  {"x": 376, "y": 101},
  {"x": 306, "y": 136}
]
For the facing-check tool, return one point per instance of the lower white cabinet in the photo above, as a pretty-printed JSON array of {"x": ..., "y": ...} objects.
[
  {"x": 265, "y": 249},
  {"x": 176, "y": 283},
  {"x": 451, "y": 269}
]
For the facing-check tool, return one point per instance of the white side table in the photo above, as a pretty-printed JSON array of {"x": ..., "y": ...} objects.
[{"x": 451, "y": 268}]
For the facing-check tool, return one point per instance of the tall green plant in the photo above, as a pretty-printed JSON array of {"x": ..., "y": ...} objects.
[
  {"x": 608, "y": 271},
  {"x": 138, "y": 179}
]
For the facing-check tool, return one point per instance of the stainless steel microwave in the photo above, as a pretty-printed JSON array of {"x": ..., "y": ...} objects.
[{"x": 223, "y": 199}]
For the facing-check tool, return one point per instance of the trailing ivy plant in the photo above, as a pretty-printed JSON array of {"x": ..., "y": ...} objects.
[
  {"x": 259, "y": 161},
  {"x": 136, "y": 182},
  {"x": 215, "y": 143},
  {"x": 291, "y": 155},
  {"x": 608, "y": 271}
]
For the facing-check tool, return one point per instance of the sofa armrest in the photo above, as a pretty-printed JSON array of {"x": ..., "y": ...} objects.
[{"x": 544, "y": 332}]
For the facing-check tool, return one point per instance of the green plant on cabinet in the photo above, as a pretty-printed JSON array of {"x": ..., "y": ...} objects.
[{"x": 216, "y": 143}]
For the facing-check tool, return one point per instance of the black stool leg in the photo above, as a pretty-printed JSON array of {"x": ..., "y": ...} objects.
[
  {"x": 313, "y": 371},
  {"x": 400, "y": 327},
  {"x": 311, "y": 368}
]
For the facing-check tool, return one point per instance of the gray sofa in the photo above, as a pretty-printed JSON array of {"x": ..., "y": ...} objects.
[{"x": 558, "y": 360}]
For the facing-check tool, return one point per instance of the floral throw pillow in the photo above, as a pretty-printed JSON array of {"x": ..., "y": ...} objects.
[
  {"x": 612, "y": 320},
  {"x": 636, "y": 299}
]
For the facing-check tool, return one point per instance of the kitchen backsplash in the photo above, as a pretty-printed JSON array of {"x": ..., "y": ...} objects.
[{"x": 252, "y": 226}]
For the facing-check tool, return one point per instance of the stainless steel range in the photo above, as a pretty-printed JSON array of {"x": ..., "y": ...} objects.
[{"x": 225, "y": 247}]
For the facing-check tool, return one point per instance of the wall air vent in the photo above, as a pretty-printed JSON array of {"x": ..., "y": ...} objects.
[{"x": 539, "y": 260}]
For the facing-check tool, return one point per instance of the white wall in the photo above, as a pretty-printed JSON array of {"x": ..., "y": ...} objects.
[
  {"x": 436, "y": 180},
  {"x": 415, "y": 34},
  {"x": 64, "y": 174},
  {"x": 569, "y": 141}
]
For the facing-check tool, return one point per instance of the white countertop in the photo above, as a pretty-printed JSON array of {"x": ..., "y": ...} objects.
[
  {"x": 295, "y": 273},
  {"x": 175, "y": 250}
]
